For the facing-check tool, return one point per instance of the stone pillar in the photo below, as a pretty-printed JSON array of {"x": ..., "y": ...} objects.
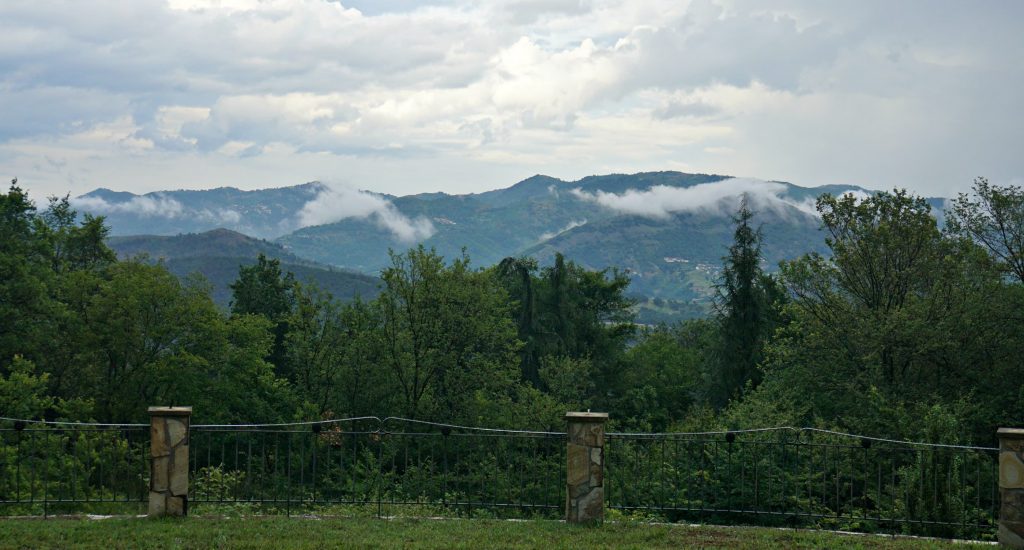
[
  {"x": 1011, "y": 487},
  {"x": 168, "y": 462},
  {"x": 584, "y": 498}
]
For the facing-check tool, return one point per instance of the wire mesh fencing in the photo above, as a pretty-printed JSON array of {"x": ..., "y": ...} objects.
[
  {"x": 55, "y": 468},
  {"x": 806, "y": 478},
  {"x": 382, "y": 467},
  {"x": 796, "y": 477}
]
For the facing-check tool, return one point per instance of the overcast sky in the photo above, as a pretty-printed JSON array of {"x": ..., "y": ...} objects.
[{"x": 406, "y": 96}]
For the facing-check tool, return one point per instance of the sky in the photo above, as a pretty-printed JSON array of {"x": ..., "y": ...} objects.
[{"x": 403, "y": 96}]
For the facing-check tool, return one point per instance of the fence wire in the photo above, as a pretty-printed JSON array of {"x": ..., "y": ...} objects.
[
  {"x": 798, "y": 477},
  {"x": 806, "y": 478},
  {"x": 373, "y": 465}
]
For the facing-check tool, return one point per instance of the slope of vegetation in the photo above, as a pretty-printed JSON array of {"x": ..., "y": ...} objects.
[
  {"x": 901, "y": 330},
  {"x": 218, "y": 254}
]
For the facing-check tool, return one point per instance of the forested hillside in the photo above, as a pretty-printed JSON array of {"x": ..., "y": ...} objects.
[
  {"x": 899, "y": 329},
  {"x": 218, "y": 254},
  {"x": 665, "y": 230}
]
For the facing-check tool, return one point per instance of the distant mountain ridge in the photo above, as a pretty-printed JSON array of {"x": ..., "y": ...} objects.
[
  {"x": 668, "y": 230},
  {"x": 263, "y": 213},
  {"x": 218, "y": 254},
  {"x": 216, "y": 242}
]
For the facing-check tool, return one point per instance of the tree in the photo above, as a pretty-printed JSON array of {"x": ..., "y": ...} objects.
[
  {"x": 334, "y": 349},
  {"x": 73, "y": 246},
  {"x": 898, "y": 319},
  {"x": 994, "y": 218},
  {"x": 585, "y": 314},
  {"x": 448, "y": 336},
  {"x": 24, "y": 278},
  {"x": 517, "y": 276},
  {"x": 262, "y": 289},
  {"x": 745, "y": 310},
  {"x": 886, "y": 250},
  {"x": 661, "y": 374},
  {"x": 568, "y": 311}
]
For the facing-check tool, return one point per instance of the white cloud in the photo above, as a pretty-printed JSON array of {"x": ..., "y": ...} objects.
[
  {"x": 337, "y": 202},
  {"x": 571, "y": 225},
  {"x": 225, "y": 216},
  {"x": 157, "y": 206},
  {"x": 720, "y": 197}
]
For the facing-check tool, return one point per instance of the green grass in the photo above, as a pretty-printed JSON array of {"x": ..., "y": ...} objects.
[{"x": 284, "y": 532}]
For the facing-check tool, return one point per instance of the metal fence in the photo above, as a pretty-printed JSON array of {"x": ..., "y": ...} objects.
[
  {"x": 803, "y": 477},
  {"x": 780, "y": 476},
  {"x": 376, "y": 466},
  {"x": 53, "y": 467}
]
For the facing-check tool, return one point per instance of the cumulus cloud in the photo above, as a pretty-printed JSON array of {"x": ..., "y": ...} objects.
[
  {"x": 337, "y": 202},
  {"x": 266, "y": 92},
  {"x": 720, "y": 197}
]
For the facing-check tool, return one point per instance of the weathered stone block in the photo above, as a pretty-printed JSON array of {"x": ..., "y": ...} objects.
[
  {"x": 578, "y": 490},
  {"x": 157, "y": 504},
  {"x": 1011, "y": 504},
  {"x": 179, "y": 471},
  {"x": 597, "y": 435},
  {"x": 159, "y": 468},
  {"x": 1009, "y": 538},
  {"x": 596, "y": 475},
  {"x": 177, "y": 431},
  {"x": 158, "y": 438},
  {"x": 596, "y": 455},
  {"x": 590, "y": 507},
  {"x": 575, "y": 433},
  {"x": 175, "y": 506},
  {"x": 1011, "y": 471},
  {"x": 578, "y": 464}
]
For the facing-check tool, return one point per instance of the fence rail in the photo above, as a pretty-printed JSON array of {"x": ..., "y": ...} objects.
[
  {"x": 378, "y": 465},
  {"x": 51, "y": 467},
  {"x": 777, "y": 476},
  {"x": 806, "y": 477}
]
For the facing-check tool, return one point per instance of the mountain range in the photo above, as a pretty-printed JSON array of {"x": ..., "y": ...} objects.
[{"x": 667, "y": 230}]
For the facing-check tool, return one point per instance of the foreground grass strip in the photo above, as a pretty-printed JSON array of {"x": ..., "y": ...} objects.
[{"x": 283, "y": 532}]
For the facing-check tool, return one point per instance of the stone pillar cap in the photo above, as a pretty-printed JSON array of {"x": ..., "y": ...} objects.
[
  {"x": 170, "y": 411},
  {"x": 586, "y": 416},
  {"x": 1011, "y": 433}
]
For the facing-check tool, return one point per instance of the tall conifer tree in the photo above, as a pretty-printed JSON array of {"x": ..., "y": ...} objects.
[{"x": 744, "y": 303}]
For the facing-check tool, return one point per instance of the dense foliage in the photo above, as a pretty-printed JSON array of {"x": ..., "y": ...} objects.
[{"x": 903, "y": 330}]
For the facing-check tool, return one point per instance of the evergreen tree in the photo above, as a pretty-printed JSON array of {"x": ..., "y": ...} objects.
[
  {"x": 262, "y": 289},
  {"x": 744, "y": 307}
]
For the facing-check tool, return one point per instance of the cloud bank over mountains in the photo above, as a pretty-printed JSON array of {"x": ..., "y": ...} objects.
[
  {"x": 719, "y": 197},
  {"x": 461, "y": 95},
  {"x": 337, "y": 201},
  {"x": 154, "y": 206}
]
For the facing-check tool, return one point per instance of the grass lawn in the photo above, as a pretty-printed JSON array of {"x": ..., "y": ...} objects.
[{"x": 284, "y": 532}]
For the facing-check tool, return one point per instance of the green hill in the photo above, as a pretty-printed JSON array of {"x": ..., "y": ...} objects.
[{"x": 218, "y": 254}]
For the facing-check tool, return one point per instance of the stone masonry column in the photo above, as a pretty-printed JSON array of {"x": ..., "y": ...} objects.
[
  {"x": 584, "y": 499},
  {"x": 168, "y": 463},
  {"x": 1011, "y": 487}
]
